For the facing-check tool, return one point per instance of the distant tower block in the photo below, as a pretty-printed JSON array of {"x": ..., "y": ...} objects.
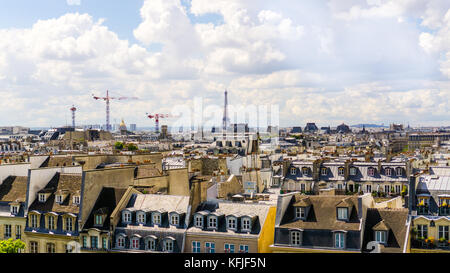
[
  {"x": 73, "y": 109},
  {"x": 225, "y": 113}
]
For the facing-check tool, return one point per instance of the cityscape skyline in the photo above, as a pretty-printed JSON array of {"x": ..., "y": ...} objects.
[{"x": 324, "y": 61}]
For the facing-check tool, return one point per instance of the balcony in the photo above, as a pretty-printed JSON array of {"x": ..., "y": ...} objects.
[{"x": 422, "y": 243}]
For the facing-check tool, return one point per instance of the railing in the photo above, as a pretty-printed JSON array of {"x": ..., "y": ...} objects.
[{"x": 430, "y": 244}]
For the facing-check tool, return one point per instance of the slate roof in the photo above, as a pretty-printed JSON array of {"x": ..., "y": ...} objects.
[
  {"x": 362, "y": 172},
  {"x": 322, "y": 213},
  {"x": 14, "y": 188},
  {"x": 394, "y": 220},
  {"x": 105, "y": 204},
  {"x": 71, "y": 183},
  {"x": 224, "y": 208},
  {"x": 333, "y": 171}
]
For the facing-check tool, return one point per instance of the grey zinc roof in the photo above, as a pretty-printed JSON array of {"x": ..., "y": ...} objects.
[
  {"x": 434, "y": 183},
  {"x": 156, "y": 202},
  {"x": 362, "y": 172},
  {"x": 440, "y": 171}
]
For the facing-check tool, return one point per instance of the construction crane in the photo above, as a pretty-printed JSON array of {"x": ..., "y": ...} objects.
[
  {"x": 107, "y": 99},
  {"x": 73, "y": 109},
  {"x": 157, "y": 117}
]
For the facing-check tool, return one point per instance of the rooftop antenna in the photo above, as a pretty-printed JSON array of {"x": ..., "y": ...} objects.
[{"x": 73, "y": 109}]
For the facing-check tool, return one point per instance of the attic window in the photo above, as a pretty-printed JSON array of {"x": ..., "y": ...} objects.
[
  {"x": 353, "y": 171},
  {"x": 76, "y": 200},
  {"x": 246, "y": 224},
  {"x": 199, "y": 221},
  {"x": 59, "y": 199},
  {"x": 399, "y": 171},
  {"x": 231, "y": 223},
  {"x": 156, "y": 218},
  {"x": 324, "y": 171},
  {"x": 342, "y": 214},
  {"x": 293, "y": 171},
  {"x": 42, "y": 197},
  {"x": 371, "y": 172},
  {"x": 98, "y": 220},
  {"x": 388, "y": 171},
  {"x": 126, "y": 217},
  {"x": 14, "y": 209},
  {"x": 212, "y": 222},
  {"x": 341, "y": 171},
  {"x": 295, "y": 237},
  {"x": 380, "y": 236},
  {"x": 300, "y": 212},
  {"x": 305, "y": 171},
  {"x": 174, "y": 220}
]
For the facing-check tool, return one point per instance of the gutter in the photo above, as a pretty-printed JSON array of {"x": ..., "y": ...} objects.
[{"x": 407, "y": 233}]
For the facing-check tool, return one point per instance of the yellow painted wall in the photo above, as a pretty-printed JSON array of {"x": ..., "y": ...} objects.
[{"x": 267, "y": 235}]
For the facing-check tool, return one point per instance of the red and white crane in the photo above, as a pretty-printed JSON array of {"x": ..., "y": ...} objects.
[
  {"x": 157, "y": 117},
  {"x": 107, "y": 99},
  {"x": 73, "y": 109}
]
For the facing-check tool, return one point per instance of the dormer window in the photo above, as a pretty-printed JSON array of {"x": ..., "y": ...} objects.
[
  {"x": 168, "y": 245},
  {"x": 352, "y": 171},
  {"x": 135, "y": 242},
  {"x": 212, "y": 222},
  {"x": 324, "y": 171},
  {"x": 51, "y": 222},
  {"x": 342, "y": 214},
  {"x": 76, "y": 200},
  {"x": 150, "y": 243},
  {"x": 141, "y": 217},
  {"x": 305, "y": 171},
  {"x": 388, "y": 171},
  {"x": 59, "y": 199},
  {"x": 381, "y": 236},
  {"x": 14, "y": 209},
  {"x": 295, "y": 238},
  {"x": 198, "y": 221},
  {"x": 174, "y": 219},
  {"x": 246, "y": 224},
  {"x": 156, "y": 218},
  {"x": 42, "y": 197},
  {"x": 120, "y": 241},
  {"x": 339, "y": 240},
  {"x": 293, "y": 171},
  {"x": 231, "y": 223},
  {"x": 399, "y": 171},
  {"x": 69, "y": 224},
  {"x": 300, "y": 212},
  {"x": 341, "y": 171},
  {"x": 371, "y": 172},
  {"x": 126, "y": 217},
  {"x": 98, "y": 220}
]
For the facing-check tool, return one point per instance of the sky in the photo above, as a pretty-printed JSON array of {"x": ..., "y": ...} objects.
[{"x": 323, "y": 61}]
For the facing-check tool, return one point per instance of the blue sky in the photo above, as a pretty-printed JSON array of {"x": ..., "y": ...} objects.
[{"x": 328, "y": 61}]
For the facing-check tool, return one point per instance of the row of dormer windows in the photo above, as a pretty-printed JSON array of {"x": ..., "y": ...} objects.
[
  {"x": 353, "y": 170},
  {"x": 42, "y": 197},
  {"x": 51, "y": 222},
  {"x": 231, "y": 222},
  {"x": 155, "y": 218},
  {"x": 342, "y": 213},
  {"x": 150, "y": 243}
]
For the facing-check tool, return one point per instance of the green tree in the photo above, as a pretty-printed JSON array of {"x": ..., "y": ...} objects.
[
  {"x": 132, "y": 147},
  {"x": 11, "y": 246},
  {"x": 118, "y": 145}
]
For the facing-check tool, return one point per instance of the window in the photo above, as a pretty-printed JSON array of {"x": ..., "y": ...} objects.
[
  {"x": 7, "y": 231},
  {"x": 443, "y": 232},
  {"x": 94, "y": 242},
  {"x": 135, "y": 243},
  {"x": 84, "y": 241},
  {"x": 34, "y": 247},
  {"x": 212, "y": 222},
  {"x": 399, "y": 171},
  {"x": 50, "y": 248},
  {"x": 300, "y": 212},
  {"x": 243, "y": 248},
  {"x": 380, "y": 237},
  {"x": 231, "y": 223},
  {"x": 305, "y": 171},
  {"x": 324, "y": 171},
  {"x": 51, "y": 222},
  {"x": 18, "y": 232},
  {"x": 14, "y": 210},
  {"x": 126, "y": 217},
  {"x": 199, "y": 221},
  {"x": 34, "y": 221},
  {"x": 387, "y": 188},
  {"x": 141, "y": 218},
  {"x": 293, "y": 171},
  {"x": 98, "y": 220},
  {"x": 76, "y": 200},
  {"x": 339, "y": 186},
  {"x": 151, "y": 244},
  {"x": 302, "y": 187},
  {"x": 422, "y": 231},
  {"x": 368, "y": 188},
  {"x": 42, "y": 198},
  {"x": 210, "y": 247},
  {"x": 341, "y": 171},
  {"x": 371, "y": 172},
  {"x": 246, "y": 224},
  {"x": 69, "y": 224},
  {"x": 397, "y": 188},
  {"x": 175, "y": 220},
  {"x": 353, "y": 171},
  {"x": 229, "y": 248},
  {"x": 168, "y": 245},
  {"x": 295, "y": 238},
  {"x": 120, "y": 242},
  {"x": 195, "y": 247},
  {"x": 339, "y": 239},
  {"x": 59, "y": 199},
  {"x": 388, "y": 171},
  {"x": 342, "y": 213},
  {"x": 105, "y": 243},
  {"x": 156, "y": 218}
]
